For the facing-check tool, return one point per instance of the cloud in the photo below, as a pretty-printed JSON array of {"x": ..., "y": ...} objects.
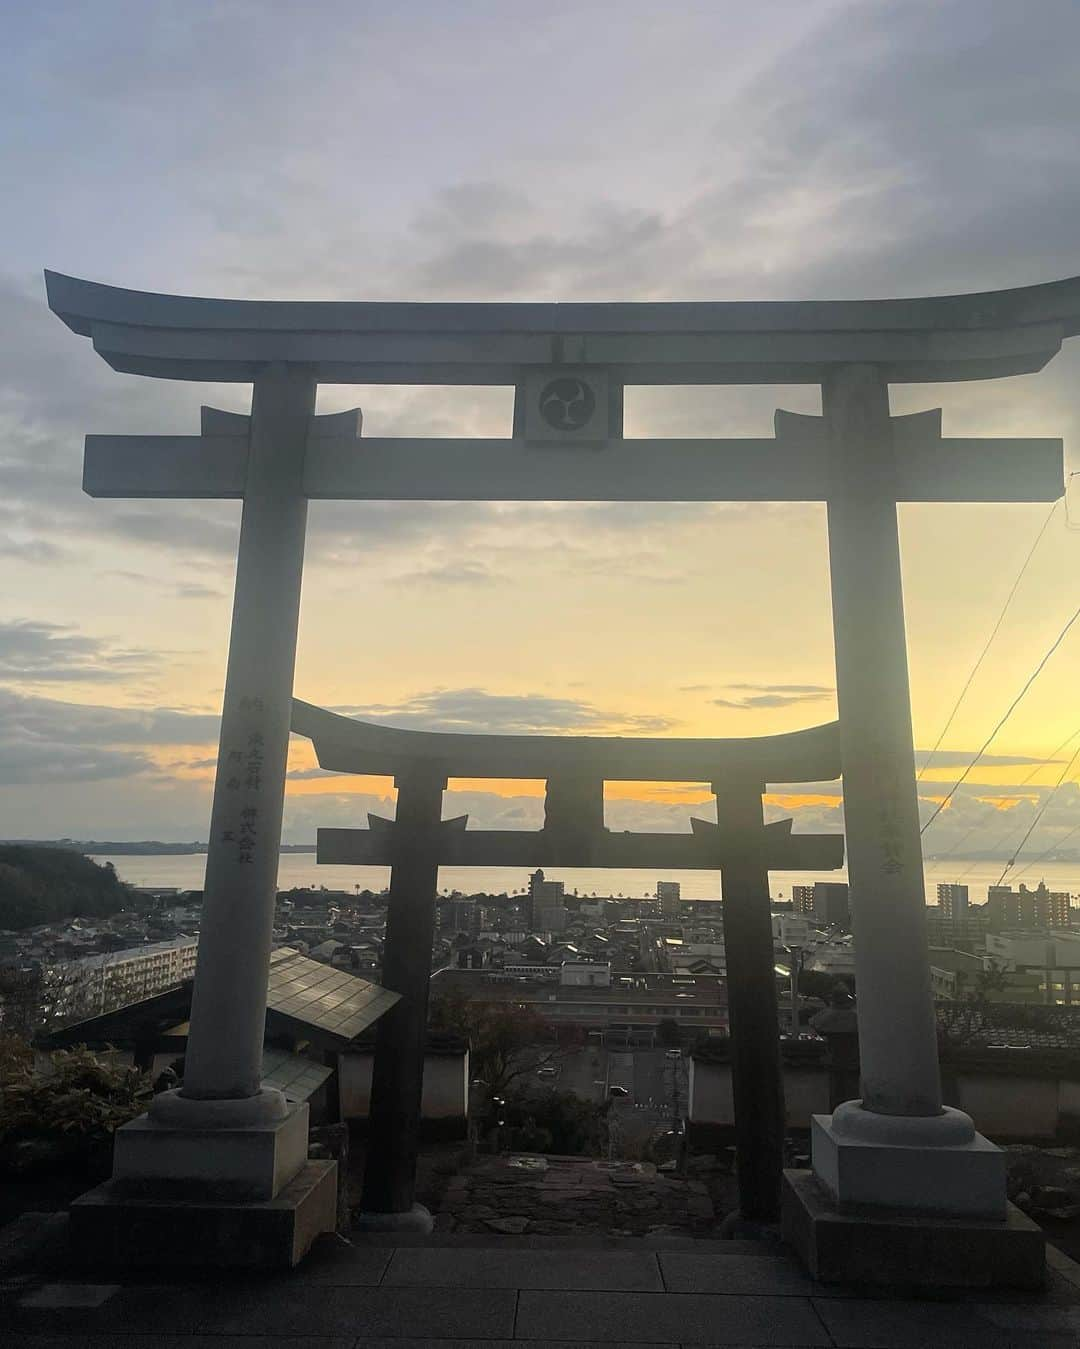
[
  {"x": 50, "y": 721},
  {"x": 757, "y": 696},
  {"x": 454, "y": 574},
  {"x": 477, "y": 710},
  {"x": 192, "y": 591},
  {"x": 26, "y": 761},
  {"x": 33, "y": 652},
  {"x": 960, "y": 758}
]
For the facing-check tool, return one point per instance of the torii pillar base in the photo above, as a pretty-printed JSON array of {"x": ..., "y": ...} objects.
[
  {"x": 208, "y": 1184},
  {"x": 119, "y": 1226},
  {"x": 892, "y": 1248},
  {"x": 908, "y": 1201}
]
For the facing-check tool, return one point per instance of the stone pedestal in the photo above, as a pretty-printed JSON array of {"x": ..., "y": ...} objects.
[
  {"x": 239, "y": 1162},
  {"x": 208, "y": 1184},
  {"x": 112, "y": 1227},
  {"x": 899, "y": 1249},
  {"x": 915, "y": 1164}
]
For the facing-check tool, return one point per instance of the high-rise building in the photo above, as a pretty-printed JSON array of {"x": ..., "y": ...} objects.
[
  {"x": 669, "y": 899},
  {"x": 542, "y": 895},
  {"x": 831, "y": 903},
  {"x": 552, "y": 918},
  {"x": 1038, "y": 908},
  {"x": 952, "y": 901},
  {"x": 463, "y": 914},
  {"x": 802, "y": 899}
]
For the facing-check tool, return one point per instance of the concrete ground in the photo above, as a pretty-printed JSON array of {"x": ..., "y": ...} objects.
[{"x": 480, "y": 1293}]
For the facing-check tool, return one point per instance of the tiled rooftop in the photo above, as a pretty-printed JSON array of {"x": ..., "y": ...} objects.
[{"x": 474, "y": 1293}]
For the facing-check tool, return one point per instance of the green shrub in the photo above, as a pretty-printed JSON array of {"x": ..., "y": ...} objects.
[
  {"x": 552, "y": 1121},
  {"x": 65, "y": 1110}
]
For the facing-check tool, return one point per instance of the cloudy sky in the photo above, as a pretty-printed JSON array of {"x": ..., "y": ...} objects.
[{"x": 506, "y": 150}]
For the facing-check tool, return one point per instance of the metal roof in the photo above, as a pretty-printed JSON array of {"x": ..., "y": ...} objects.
[
  {"x": 295, "y": 1077},
  {"x": 333, "y": 1003},
  {"x": 326, "y": 1005}
]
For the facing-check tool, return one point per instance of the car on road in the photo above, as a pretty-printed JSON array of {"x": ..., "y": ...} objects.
[
  {"x": 674, "y": 1054},
  {"x": 547, "y": 1071},
  {"x": 618, "y": 1091}
]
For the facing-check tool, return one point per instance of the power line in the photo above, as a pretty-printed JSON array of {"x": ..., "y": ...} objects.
[
  {"x": 1008, "y": 713},
  {"x": 988, "y": 643},
  {"x": 975, "y": 828},
  {"x": 1039, "y": 814},
  {"x": 1044, "y": 855}
]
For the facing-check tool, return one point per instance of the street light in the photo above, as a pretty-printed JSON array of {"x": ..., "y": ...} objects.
[{"x": 614, "y": 1093}]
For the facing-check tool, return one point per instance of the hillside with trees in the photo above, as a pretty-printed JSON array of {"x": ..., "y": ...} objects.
[{"x": 47, "y": 885}]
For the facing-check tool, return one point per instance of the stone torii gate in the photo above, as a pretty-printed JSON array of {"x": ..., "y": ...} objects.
[
  {"x": 574, "y": 769},
  {"x": 897, "y": 1148}
]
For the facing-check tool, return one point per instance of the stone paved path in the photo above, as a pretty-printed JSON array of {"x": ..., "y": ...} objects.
[
  {"x": 566, "y": 1196},
  {"x": 527, "y": 1292}
]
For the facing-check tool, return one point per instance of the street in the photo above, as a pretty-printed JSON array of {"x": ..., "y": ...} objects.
[{"x": 648, "y": 1075}]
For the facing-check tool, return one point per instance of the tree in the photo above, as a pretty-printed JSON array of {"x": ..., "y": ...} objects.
[
  {"x": 45, "y": 885},
  {"x": 668, "y": 1033},
  {"x": 818, "y": 984},
  {"x": 506, "y": 1041},
  {"x": 992, "y": 978},
  {"x": 553, "y": 1121}
]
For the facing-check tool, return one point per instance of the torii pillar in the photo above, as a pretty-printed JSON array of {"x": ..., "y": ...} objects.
[
  {"x": 756, "y": 1074},
  {"x": 238, "y": 1149},
  {"x": 397, "y": 1084},
  {"x": 897, "y": 1153}
]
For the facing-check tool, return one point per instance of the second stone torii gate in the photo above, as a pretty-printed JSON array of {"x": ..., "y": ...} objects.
[{"x": 574, "y": 769}]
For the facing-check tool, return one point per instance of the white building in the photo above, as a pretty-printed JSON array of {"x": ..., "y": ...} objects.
[
  {"x": 836, "y": 958},
  {"x": 96, "y": 984},
  {"x": 1053, "y": 956},
  {"x": 528, "y": 971},
  {"x": 583, "y": 974}
]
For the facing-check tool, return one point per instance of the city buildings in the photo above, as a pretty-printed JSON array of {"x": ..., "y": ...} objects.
[
  {"x": 1048, "y": 964},
  {"x": 100, "y": 983},
  {"x": 952, "y": 901},
  {"x": 669, "y": 899},
  {"x": 831, "y": 906},
  {"x": 543, "y": 895},
  {"x": 802, "y": 899},
  {"x": 1008, "y": 908}
]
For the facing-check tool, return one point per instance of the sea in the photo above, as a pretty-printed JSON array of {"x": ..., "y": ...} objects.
[{"x": 185, "y": 871}]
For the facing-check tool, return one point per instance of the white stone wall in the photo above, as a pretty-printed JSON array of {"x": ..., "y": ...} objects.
[
  {"x": 1001, "y": 1106},
  {"x": 446, "y": 1085},
  {"x": 806, "y": 1092},
  {"x": 1009, "y": 1107}
]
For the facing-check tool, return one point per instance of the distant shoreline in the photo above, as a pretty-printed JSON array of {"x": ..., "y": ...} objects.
[
  {"x": 155, "y": 848},
  {"x": 150, "y": 848}
]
